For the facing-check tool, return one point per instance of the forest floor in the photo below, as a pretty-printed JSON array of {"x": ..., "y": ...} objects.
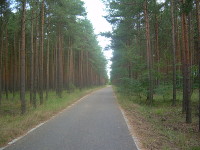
[
  {"x": 161, "y": 126},
  {"x": 13, "y": 125}
]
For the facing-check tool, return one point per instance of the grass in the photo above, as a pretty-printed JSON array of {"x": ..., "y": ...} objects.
[
  {"x": 12, "y": 124},
  {"x": 163, "y": 127}
]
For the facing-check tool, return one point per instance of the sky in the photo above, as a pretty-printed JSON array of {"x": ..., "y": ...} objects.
[{"x": 95, "y": 12}]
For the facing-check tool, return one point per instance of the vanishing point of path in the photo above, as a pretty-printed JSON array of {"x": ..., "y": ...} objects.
[{"x": 94, "y": 123}]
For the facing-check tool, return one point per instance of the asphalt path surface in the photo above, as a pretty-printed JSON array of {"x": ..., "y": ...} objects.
[{"x": 94, "y": 123}]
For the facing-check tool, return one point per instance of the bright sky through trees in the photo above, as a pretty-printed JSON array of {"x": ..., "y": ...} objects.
[{"x": 96, "y": 11}]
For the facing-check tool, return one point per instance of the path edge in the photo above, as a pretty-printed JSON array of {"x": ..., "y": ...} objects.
[
  {"x": 130, "y": 128},
  {"x": 51, "y": 118}
]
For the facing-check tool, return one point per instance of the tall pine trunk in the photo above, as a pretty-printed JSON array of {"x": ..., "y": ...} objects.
[
  {"x": 41, "y": 53},
  {"x": 87, "y": 69},
  {"x": 1, "y": 50},
  {"x": 22, "y": 58},
  {"x": 35, "y": 66},
  {"x": 183, "y": 67},
  {"x": 56, "y": 67},
  {"x": 187, "y": 83},
  {"x": 47, "y": 71},
  {"x": 14, "y": 66},
  {"x": 31, "y": 62},
  {"x": 198, "y": 50},
  {"x": 59, "y": 65},
  {"x": 174, "y": 52},
  {"x": 6, "y": 64},
  {"x": 157, "y": 47},
  {"x": 149, "y": 55}
]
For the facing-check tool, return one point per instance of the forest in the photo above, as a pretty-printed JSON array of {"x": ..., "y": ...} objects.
[
  {"x": 47, "y": 46},
  {"x": 48, "y": 50},
  {"x": 156, "y": 58}
]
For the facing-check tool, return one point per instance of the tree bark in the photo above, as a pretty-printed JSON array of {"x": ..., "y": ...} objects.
[
  {"x": 149, "y": 55},
  {"x": 14, "y": 66},
  {"x": 60, "y": 66},
  {"x": 86, "y": 69},
  {"x": 6, "y": 64},
  {"x": 81, "y": 69},
  {"x": 198, "y": 50},
  {"x": 183, "y": 67},
  {"x": 157, "y": 47},
  {"x": 187, "y": 68},
  {"x": 35, "y": 66},
  {"x": 22, "y": 58},
  {"x": 47, "y": 71},
  {"x": 174, "y": 52},
  {"x": 19, "y": 64},
  {"x": 1, "y": 50},
  {"x": 31, "y": 62},
  {"x": 56, "y": 67},
  {"x": 41, "y": 53}
]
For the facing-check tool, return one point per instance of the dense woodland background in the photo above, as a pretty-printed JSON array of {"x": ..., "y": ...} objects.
[
  {"x": 47, "y": 45},
  {"x": 157, "y": 50}
]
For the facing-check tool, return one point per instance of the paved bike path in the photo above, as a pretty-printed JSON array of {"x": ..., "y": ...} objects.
[{"x": 94, "y": 123}]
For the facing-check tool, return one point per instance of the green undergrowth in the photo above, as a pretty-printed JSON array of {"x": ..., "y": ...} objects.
[
  {"x": 12, "y": 124},
  {"x": 168, "y": 121}
]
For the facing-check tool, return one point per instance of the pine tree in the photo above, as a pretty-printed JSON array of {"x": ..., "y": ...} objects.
[
  {"x": 174, "y": 52},
  {"x": 22, "y": 58}
]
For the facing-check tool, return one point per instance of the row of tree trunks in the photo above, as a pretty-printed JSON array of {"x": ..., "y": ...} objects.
[
  {"x": 32, "y": 76},
  {"x": 41, "y": 65},
  {"x": 177, "y": 50}
]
